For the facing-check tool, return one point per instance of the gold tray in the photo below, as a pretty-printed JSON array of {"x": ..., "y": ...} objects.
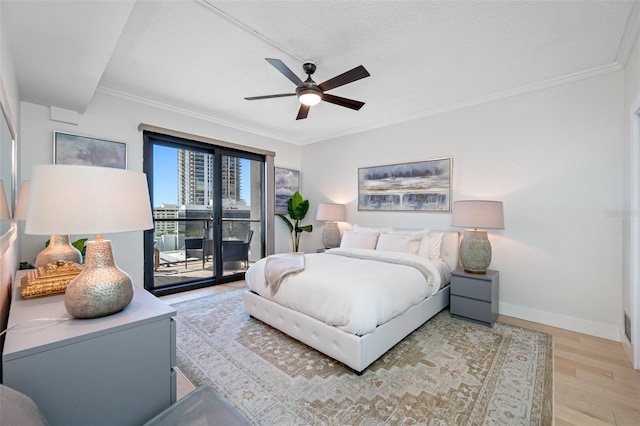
[{"x": 48, "y": 280}]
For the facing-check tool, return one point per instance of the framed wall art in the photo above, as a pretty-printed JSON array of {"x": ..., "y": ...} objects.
[
  {"x": 422, "y": 186},
  {"x": 87, "y": 151},
  {"x": 287, "y": 183}
]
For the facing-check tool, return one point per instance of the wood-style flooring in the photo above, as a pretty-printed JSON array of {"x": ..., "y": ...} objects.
[{"x": 594, "y": 381}]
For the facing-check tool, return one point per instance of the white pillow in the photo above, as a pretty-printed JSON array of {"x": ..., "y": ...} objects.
[
  {"x": 405, "y": 243},
  {"x": 380, "y": 229},
  {"x": 360, "y": 240},
  {"x": 416, "y": 238},
  {"x": 430, "y": 245}
]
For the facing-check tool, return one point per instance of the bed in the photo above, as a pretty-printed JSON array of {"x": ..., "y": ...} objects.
[{"x": 356, "y": 302}]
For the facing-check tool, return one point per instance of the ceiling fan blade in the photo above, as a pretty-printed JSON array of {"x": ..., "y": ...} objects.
[
  {"x": 338, "y": 100},
  {"x": 280, "y": 95},
  {"x": 303, "y": 112},
  {"x": 280, "y": 66},
  {"x": 347, "y": 77}
]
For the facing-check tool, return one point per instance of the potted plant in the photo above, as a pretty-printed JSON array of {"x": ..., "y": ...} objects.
[{"x": 298, "y": 208}]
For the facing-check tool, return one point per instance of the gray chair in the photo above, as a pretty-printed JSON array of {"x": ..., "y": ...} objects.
[
  {"x": 203, "y": 406},
  {"x": 201, "y": 248},
  {"x": 237, "y": 251},
  {"x": 17, "y": 408}
]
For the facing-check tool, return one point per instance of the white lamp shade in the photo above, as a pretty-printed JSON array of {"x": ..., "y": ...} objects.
[
  {"x": 328, "y": 212},
  {"x": 68, "y": 200},
  {"x": 4, "y": 207},
  {"x": 23, "y": 201},
  {"x": 478, "y": 214}
]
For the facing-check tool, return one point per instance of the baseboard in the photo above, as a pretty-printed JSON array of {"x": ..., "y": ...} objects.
[
  {"x": 628, "y": 349},
  {"x": 592, "y": 328}
]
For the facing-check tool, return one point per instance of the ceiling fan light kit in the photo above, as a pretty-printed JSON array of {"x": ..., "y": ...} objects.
[
  {"x": 309, "y": 97},
  {"x": 309, "y": 93}
]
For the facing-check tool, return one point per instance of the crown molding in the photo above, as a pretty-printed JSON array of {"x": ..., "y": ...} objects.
[
  {"x": 566, "y": 79},
  {"x": 189, "y": 113},
  {"x": 630, "y": 35}
]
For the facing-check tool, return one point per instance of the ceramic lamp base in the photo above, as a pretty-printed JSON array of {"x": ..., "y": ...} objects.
[
  {"x": 101, "y": 288},
  {"x": 475, "y": 252},
  {"x": 331, "y": 235},
  {"x": 58, "y": 249}
]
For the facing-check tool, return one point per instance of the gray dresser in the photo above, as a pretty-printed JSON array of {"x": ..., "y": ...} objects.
[
  {"x": 474, "y": 297},
  {"x": 115, "y": 370}
]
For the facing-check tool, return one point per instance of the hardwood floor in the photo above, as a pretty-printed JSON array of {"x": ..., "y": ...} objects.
[{"x": 594, "y": 381}]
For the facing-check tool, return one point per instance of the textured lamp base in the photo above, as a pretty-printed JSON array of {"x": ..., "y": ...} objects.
[
  {"x": 331, "y": 235},
  {"x": 475, "y": 252},
  {"x": 101, "y": 288},
  {"x": 58, "y": 249}
]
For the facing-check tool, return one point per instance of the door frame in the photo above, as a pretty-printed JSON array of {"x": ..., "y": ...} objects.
[
  {"x": 149, "y": 235},
  {"x": 631, "y": 221}
]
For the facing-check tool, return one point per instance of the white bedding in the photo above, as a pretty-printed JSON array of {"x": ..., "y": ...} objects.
[{"x": 353, "y": 289}]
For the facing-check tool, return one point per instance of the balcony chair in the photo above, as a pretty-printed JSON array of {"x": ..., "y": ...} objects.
[
  {"x": 200, "y": 248},
  {"x": 237, "y": 251}
]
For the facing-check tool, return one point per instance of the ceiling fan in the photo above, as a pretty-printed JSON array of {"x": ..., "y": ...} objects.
[{"x": 310, "y": 93}]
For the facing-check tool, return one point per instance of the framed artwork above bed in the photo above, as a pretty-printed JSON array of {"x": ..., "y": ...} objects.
[{"x": 421, "y": 186}]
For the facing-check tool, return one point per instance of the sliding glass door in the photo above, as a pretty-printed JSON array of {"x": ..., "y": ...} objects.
[{"x": 208, "y": 207}]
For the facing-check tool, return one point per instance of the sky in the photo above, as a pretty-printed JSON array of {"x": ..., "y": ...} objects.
[{"x": 165, "y": 176}]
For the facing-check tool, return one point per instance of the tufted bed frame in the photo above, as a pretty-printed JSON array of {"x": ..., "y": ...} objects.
[{"x": 357, "y": 352}]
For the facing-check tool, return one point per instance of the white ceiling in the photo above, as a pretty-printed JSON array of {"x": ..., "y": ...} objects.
[{"x": 202, "y": 57}]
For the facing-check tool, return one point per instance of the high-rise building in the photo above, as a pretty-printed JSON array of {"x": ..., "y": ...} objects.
[
  {"x": 195, "y": 178},
  {"x": 166, "y": 211}
]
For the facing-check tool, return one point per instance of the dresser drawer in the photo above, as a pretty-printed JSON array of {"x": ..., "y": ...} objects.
[
  {"x": 469, "y": 287},
  {"x": 471, "y": 308}
]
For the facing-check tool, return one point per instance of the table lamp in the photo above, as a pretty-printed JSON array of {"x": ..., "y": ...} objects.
[
  {"x": 69, "y": 200},
  {"x": 59, "y": 247},
  {"x": 475, "y": 249},
  {"x": 331, "y": 213}
]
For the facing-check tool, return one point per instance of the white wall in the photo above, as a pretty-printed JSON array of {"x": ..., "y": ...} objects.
[
  {"x": 553, "y": 156},
  {"x": 631, "y": 185},
  {"x": 115, "y": 118}
]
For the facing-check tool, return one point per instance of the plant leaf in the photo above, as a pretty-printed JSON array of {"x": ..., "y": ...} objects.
[
  {"x": 301, "y": 210},
  {"x": 79, "y": 244},
  {"x": 307, "y": 228},
  {"x": 285, "y": 220}
]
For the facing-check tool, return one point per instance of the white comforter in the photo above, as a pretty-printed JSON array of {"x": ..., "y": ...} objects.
[{"x": 353, "y": 289}]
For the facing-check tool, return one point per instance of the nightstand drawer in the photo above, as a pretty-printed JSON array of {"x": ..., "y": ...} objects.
[
  {"x": 471, "y": 308},
  {"x": 469, "y": 287}
]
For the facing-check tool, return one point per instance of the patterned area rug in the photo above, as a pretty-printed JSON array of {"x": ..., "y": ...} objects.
[{"x": 448, "y": 372}]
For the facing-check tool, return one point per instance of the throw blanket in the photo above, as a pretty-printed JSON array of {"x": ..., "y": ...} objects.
[{"x": 280, "y": 266}]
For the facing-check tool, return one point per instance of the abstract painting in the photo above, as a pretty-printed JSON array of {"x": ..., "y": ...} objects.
[
  {"x": 287, "y": 183},
  {"x": 87, "y": 151},
  {"x": 422, "y": 186}
]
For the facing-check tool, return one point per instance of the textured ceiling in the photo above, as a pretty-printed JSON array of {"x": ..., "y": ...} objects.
[{"x": 202, "y": 57}]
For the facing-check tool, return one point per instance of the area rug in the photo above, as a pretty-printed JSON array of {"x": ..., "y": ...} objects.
[{"x": 448, "y": 372}]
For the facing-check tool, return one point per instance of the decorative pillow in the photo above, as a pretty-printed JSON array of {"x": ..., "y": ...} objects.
[
  {"x": 360, "y": 240},
  {"x": 405, "y": 243},
  {"x": 380, "y": 229},
  {"x": 430, "y": 245},
  {"x": 416, "y": 237}
]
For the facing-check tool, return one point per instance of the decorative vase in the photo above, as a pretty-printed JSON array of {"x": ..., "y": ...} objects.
[
  {"x": 58, "y": 249},
  {"x": 475, "y": 252},
  {"x": 101, "y": 288}
]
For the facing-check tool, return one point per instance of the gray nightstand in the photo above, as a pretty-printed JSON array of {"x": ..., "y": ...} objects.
[{"x": 474, "y": 297}]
